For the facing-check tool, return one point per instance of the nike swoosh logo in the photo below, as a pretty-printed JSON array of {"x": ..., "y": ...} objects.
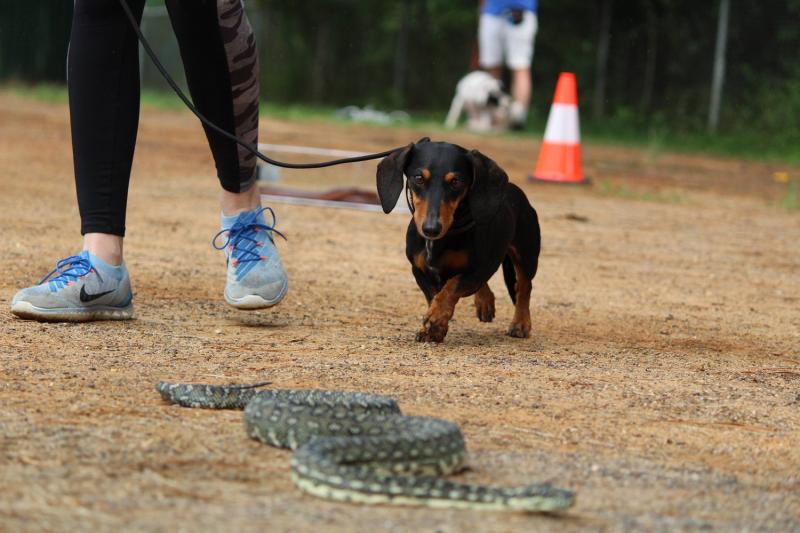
[{"x": 86, "y": 297}]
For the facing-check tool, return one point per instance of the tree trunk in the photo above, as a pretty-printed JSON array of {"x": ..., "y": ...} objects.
[
  {"x": 652, "y": 57},
  {"x": 401, "y": 54},
  {"x": 601, "y": 67},
  {"x": 719, "y": 65},
  {"x": 417, "y": 86},
  {"x": 319, "y": 61}
]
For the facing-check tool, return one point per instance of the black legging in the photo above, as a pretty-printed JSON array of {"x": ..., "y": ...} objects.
[{"x": 221, "y": 63}]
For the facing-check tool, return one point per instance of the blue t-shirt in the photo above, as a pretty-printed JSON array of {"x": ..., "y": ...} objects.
[{"x": 498, "y": 7}]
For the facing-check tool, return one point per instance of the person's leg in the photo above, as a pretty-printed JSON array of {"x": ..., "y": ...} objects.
[
  {"x": 519, "y": 56},
  {"x": 521, "y": 87},
  {"x": 491, "y": 40},
  {"x": 103, "y": 79},
  {"x": 490, "y": 44},
  {"x": 221, "y": 62},
  {"x": 107, "y": 246},
  {"x": 233, "y": 203}
]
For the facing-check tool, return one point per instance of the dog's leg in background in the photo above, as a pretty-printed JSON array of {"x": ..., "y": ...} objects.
[
  {"x": 484, "y": 303},
  {"x": 521, "y": 323},
  {"x": 455, "y": 111}
]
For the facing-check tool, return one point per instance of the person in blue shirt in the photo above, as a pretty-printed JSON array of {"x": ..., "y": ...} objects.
[{"x": 506, "y": 35}]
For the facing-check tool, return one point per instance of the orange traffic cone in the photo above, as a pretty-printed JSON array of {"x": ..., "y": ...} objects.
[{"x": 560, "y": 156}]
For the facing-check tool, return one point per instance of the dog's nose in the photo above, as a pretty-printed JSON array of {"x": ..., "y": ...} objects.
[{"x": 431, "y": 228}]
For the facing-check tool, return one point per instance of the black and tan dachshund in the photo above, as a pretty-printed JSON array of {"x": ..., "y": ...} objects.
[{"x": 467, "y": 221}]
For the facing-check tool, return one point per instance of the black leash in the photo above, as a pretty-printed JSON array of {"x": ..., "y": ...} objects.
[{"x": 208, "y": 123}]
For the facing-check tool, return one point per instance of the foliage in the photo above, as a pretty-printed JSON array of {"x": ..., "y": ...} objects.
[
  {"x": 761, "y": 101},
  {"x": 411, "y": 53},
  {"x": 33, "y": 40},
  {"x": 607, "y": 188},
  {"x": 791, "y": 200}
]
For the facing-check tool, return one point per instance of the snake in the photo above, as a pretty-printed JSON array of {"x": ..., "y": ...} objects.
[{"x": 358, "y": 447}]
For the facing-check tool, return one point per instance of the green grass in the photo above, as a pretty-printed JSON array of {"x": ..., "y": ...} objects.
[
  {"x": 44, "y": 92},
  {"x": 607, "y": 188},
  {"x": 614, "y": 132},
  {"x": 168, "y": 101},
  {"x": 790, "y": 200},
  {"x": 57, "y": 94},
  {"x": 741, "y": 145},
  {"x": 660, "y": 136}
]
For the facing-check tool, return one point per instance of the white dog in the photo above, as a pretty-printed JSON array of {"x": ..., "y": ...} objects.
[{"x": 482, "y": 97}]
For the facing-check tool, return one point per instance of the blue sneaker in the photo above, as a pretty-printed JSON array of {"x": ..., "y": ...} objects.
[
  {"x": 256, "y": 278},
  {"x": 81, "y": 288}
]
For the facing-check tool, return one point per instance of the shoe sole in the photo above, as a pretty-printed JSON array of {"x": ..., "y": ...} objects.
[
  {"x": 81, "y": 314},
  {"x": 252, "y": 302}
]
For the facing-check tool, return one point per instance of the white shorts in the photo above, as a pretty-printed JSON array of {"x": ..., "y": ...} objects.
[{"x": 499, "y": 39}]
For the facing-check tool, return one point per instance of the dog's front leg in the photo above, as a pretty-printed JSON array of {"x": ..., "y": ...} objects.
[
  {"x": 484, "y": 303},
  {"x": 425, "y": 284},
  {"x": 442, "y": 306}
]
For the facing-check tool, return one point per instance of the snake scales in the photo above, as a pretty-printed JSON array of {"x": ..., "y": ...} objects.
[{"x": 358, "y": 447}]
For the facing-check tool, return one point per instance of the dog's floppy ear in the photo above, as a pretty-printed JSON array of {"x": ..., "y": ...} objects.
[
  {"x": 488, "y": 187},
  {"x": 390, "y": 177}
]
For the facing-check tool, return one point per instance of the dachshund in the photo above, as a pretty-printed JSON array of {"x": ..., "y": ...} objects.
[{"x": 467, "y": 220}]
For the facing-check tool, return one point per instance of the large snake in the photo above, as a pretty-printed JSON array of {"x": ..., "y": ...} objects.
[{"x": 358, "y": 447}]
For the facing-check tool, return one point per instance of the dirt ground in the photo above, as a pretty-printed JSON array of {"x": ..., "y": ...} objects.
[{"x": 662, "y": 380}]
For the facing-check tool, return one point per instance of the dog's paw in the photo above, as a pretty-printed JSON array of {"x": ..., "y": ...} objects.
[
  {"x": 431, "y": 333},
  {"x": 485, "y": 310},
  {"x": 520, "y": 331},
  {"x": 484, "y": 304}
]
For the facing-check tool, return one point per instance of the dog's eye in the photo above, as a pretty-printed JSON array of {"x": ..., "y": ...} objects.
[
  {"x": 455, "y": 181},
  {"x": 418, "y": 180}
]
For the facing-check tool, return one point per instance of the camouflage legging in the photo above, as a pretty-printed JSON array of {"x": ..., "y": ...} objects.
[{"x": 221, "y": 63}]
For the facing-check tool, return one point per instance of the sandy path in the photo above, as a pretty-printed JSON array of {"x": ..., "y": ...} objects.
[{"x": 662, "y": 381}]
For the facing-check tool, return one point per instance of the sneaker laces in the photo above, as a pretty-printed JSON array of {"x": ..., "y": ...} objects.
[
  {"x": 69, "y": 269},
  {"x": 242, "y": 238}
]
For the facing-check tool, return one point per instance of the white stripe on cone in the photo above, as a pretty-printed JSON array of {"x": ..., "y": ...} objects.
[{"x": 563, "y": 126}]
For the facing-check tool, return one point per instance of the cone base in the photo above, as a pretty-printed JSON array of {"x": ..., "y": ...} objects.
[{"x": 559, "y": 180}]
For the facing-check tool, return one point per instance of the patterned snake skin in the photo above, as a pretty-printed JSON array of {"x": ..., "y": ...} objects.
[{"x": 358, "y": 447}]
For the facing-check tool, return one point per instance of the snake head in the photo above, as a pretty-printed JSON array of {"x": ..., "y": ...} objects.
[{"x": 541, "y": 498}]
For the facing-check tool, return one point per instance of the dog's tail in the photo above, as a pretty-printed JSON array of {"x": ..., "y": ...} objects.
[{"x": 510, "y": 277}]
